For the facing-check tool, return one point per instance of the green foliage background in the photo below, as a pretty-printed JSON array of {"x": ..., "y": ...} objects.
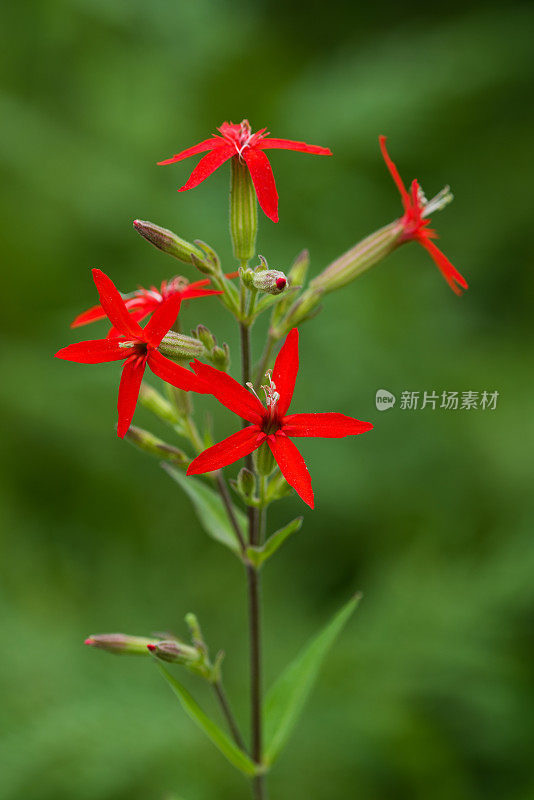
[{"x": 430, "y": 691}]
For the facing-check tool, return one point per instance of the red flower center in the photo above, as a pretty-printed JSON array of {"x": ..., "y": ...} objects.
[
  {"x": 271, "y": 421},
  {"x": 241, "y": 135}
]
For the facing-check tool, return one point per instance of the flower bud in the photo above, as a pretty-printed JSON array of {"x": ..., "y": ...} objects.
[
  {"x": 359, "y": 258},
  {"x": 121, "y": 644},
  {"x": 167, "y": 241},
  {"x": 156, "y": 447},
  {"x": 151, "y": 399},
  {"x": 246, "y": 483},
  {"x": 174, "y": 652},
  {"x": 243, "y": 212},
  {"x": 205, "y": 336},
  {"x": 299, "y": 268},
  {"x": 220, "y": 356},
  {"x": 178, "y": 346},
  {"x": 271, "y": 281}
]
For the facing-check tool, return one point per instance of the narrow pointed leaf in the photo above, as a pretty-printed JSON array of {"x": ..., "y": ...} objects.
[
  {"x": 286, "y": 699},
  {"x": 210, "y": 509},
  {"x": 258, "y": 555},
  {"x": 235, "y": 756}
]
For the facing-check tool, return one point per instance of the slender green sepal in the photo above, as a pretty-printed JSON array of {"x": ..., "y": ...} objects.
[
  {"x": 286, "y": 699},
  {"x": 243, "y": 212},
  {"x": 210, "y": 509},
  {"x": 258, "y": 555},
  {"x": 235, "y": 756}
]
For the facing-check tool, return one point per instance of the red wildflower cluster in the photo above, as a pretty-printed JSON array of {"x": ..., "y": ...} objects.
[
  {"x": 415, "y": 221},
  {"x": 270, "y": 424},
  {"x": 238, "y": 141}
]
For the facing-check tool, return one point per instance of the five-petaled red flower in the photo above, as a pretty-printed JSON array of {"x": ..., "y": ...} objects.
[
  {"x": 415, "y": 221},
  {"x": 135, "y": 345},
  {"x": 238, "y": 141},
  {"x": 272, "y": 424},
  {"x": 143, "y": 302}
]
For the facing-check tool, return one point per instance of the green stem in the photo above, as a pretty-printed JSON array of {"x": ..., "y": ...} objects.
[{"x": 220, "y": 693}]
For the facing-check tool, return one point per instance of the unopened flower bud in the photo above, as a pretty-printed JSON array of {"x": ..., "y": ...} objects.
[
  {"x": 243, "y": 212},
  {"x": 247, "y": 277},
  {"x": 360, "y": 258},
  {"x": 167, "y": 241},
  {"x": 271, "y": 281},
  {"x": 246, "y": 483},
  {"x": 174, "y": 652},
  {"x": 205, "y": 336},
  {"x": 151, "y": 399},
  {"x": 178, "y": 346},
  {"x": 221, "y": 356},
  {"x": 299, "y": 268},
  {"x": 121, "y": 644},
  {"x": 151, "y": 444}
]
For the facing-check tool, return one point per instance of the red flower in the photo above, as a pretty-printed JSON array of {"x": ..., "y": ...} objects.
[
  {"x": 135, "y": 345},
  {"x": 143, "y": 302},
  {"x": 238, "y": 141},
  {"x": 416, "y": 218},
  {"x": 271, "y": 424}
]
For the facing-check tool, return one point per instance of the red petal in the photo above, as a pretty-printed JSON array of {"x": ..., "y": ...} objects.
[
  {"x": 236, "y": 446},
  {"x": 450, "y": 273},
  {"x": 292, "y": 466},
  {"x": 162, "y": 320},
  {"x": 230, "y": 393},
  {"x": 189, "y": 293},
  {"x": 115, "y": 307},
  {"x": 285, "y": 370},
  {"x": 175, "y": 374},
  {"x": 95, "y": 351},
  {"x": 329, "y": 425},
  {"x": 289, "y": 144},
  {"x": 406, "y": 201},
  {"x": 263, "y": 180},
  {"x": 91, "y": 315},
  {"x": 207, "y": 144},
  {"x": 132, "y": 375},
  {"x": 207, "y": 165}
]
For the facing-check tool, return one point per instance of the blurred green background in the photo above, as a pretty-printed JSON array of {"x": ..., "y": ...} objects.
[{"x": 430, "y": 690}]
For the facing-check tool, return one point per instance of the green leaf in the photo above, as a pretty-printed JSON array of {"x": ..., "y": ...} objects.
[
  {"x": 210, "y": 509},
  {"x": 286, "y": 699},
  {"x": 235, "y": 756},
  {"x": 258, "y": 555}
]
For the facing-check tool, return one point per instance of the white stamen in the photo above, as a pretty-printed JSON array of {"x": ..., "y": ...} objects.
[
  {"x": 438, "y": 202},
  {"x": 252, "y": 389}
]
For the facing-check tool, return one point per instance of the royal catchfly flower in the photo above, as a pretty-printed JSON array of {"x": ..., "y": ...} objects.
[
  {"x": 143, "y": 302},
  {"x": 271, "y": 424},
  {"x": 134, "y": 345},
  {"x": 416, "y": 218},
  {"x": 238, "y": 141}
]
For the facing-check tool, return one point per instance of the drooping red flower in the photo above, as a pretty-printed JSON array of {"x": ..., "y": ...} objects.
[
  {"x": 143, "y": 302},
  {"x": 134, "y": 345},
  {"x": 416, "y": 218},
  {"x": 238, "y": 141},
  {"x": 270, "y": 424}
]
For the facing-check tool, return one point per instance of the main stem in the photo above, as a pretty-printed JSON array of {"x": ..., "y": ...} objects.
[{"x": 254, "y": 606}]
